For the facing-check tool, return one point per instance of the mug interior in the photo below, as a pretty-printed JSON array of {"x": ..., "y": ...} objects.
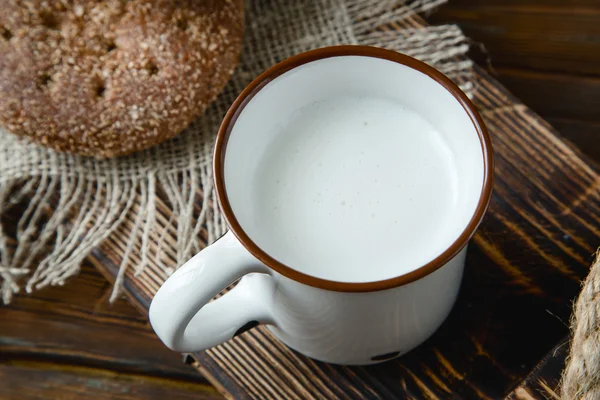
[{"x": 255, "y": 122}]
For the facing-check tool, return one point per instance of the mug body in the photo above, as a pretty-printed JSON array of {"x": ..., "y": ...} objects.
[
  {"x": 369, "y": 285},
  {"x": 364, "y": 328}
]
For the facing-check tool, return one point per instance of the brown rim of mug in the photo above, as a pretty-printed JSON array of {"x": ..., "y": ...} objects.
[{"x": 365, "y": 51}]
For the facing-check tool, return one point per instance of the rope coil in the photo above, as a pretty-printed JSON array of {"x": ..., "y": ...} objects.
[{"x": 581, "y": 379}]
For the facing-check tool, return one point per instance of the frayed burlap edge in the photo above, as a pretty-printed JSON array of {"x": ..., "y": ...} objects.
[{"x": 67, "y": 204}]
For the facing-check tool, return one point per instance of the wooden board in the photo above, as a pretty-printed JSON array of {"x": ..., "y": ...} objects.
[
  {"x": 546, "y": 52},
  {"x": 542, "y": 35},
  {"x": 543, "y": 382},
  {"x": 524, "y": 268},
  {"x": 26, "y": 380},
  {"x": 70, "y": 343}
]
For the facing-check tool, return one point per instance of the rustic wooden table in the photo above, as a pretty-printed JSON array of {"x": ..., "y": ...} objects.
[
  {"x": 69, "y": 343},
  {"x": 546, "y": 52}
]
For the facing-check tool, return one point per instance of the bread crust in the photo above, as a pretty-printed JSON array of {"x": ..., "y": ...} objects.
[{"x": 107, "y": 78}]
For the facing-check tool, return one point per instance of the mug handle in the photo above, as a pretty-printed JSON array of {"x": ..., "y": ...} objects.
[{"x": 185, "y": 320}]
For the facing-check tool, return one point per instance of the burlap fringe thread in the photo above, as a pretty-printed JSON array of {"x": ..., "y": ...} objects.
[
  {"x": 581, "y": 379},
  {"x": 70, "y": 204},
  {"x": 64, "y": 206}
]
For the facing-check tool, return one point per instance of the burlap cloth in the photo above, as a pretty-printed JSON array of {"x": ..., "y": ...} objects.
[{"x": 68, "y": 204}]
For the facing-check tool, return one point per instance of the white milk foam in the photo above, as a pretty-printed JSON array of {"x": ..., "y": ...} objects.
[{"x": 355, "y": 190}]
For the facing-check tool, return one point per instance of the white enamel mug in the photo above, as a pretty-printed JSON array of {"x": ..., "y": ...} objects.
[{"x": 345, "y": 321}]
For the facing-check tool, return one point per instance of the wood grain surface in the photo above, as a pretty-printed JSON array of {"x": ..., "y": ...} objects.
[
  {"x": 547, "y": 52},
  {"x": 524, "y": 268},
  {"x": 70, "y": 343},
  {"x": 507, "y": 335},
  {"x": 543, "y": 382}
]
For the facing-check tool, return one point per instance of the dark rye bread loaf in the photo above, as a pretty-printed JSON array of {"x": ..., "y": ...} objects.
[{"x": 107, "y": 78}]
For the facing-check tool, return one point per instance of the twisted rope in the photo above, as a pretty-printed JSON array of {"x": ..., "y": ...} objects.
[{"x": 581, "y": 379}]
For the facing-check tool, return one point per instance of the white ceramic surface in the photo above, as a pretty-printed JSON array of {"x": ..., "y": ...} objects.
[
  {"x": 412, "y": 167},
  {"x": 336, "y": 327}
]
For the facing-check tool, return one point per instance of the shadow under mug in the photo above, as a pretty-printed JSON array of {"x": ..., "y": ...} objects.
[{"x": 342, "y": 322}]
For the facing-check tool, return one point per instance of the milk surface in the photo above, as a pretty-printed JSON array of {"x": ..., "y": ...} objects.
[{"x": 355, "y": 190}]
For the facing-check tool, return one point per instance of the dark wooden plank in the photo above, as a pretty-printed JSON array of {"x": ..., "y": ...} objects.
[
  {"x": 46, "y": 380},
  {"x": 554, "y": 95},
  {"x": 104, "y": 261},
  {"x": 544, "y": 36},
  {"x": 585, "y": 135},
  {"x": 547, "y": 52},
  {"x": 524, "y": 268},
  {"x": 72, "y": 335},
  {"x": 544, "y": 381},
  {"x": 553, "y": 69}
]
